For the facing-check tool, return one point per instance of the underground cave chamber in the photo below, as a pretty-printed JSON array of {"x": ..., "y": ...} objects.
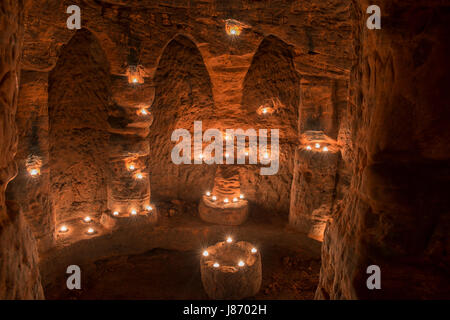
[{"x": 309, "y": 148}]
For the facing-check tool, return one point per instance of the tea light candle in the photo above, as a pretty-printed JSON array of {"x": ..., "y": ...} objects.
[
  {"x": 229, "y": 240},
  {"x": 115, "y": 213},
  {"x": 63, "y": 229},
  {"x": 241, "y": 263},
  {"x": 254, "y": 250},
  {"x": 87, "y": 219},
  {"x": 90, "y": 231},
  {"x": 205, "y": 253},
  {"x": 133, "y": 212}
]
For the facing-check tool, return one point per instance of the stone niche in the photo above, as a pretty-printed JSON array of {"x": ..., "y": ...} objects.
[
  {"x": 313, "y": 190},
  {"x": 317, "y": 183},
  {"x": 225, "y": 204}
]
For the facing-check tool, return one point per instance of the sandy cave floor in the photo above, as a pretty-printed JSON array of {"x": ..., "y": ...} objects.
[{"x": 290, "y": 260}]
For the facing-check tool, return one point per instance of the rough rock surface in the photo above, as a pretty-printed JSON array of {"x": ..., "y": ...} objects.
[
  {"x": 228, "y": 280},
  {"x": 396, "y": 212},
  {"x": 79, "y": 91},
  {"x": 32, "y": 192},
  {"x": 19, "y": 277},
  {"x": 313, "y": 193},
  {"x": 184, "y": 49},
  {"x": 19, "y": 272}
]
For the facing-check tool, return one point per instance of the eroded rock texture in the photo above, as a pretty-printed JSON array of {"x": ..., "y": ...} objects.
[
  {"x": 32, "y": 192},
  {"x": 320, "y": 179},
  {"x": 196, "y": 72},
  {"x": 396, "y": 212},
  {"x": 183, "y": 95},
  {"x": 79, "y": 91},
  {"x": 19, "y": 272}
]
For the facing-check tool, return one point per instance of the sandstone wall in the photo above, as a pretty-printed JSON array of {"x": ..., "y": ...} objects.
[
  {"x": 79, "y": 93},
  {"x": 319, "y": 177},
  {"x": 183, "y": 95},
  {"x": 396, "y": 212},
  {"x": 32, "y": 192},
  {"x": 300, "y": 38},
  {"x": 281, "y": 42},
  {"x": 19, "y": 272}
]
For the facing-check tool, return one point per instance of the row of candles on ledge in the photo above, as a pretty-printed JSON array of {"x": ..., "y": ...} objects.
[
  {"x": 88, "y": 219},
  {"x": 317, "y": 146},
  {"x": 226, "y": 200},
  {"x": 240, "y": 262}
]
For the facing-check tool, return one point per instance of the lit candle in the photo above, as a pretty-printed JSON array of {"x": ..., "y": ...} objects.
[
  {"x": 208, "y": 193},
  {"x": 131, "y": 167},
  {"x": 214, "y": 198},
  {"x": 227, "y": 155},
  {"x": 139, "y": 176},
  {"x": 325, "y": 149},
  {"x": 317, "y": 146},
  {"x": 34, "y": 172},
  {"x": 116, "y": 213},
  {"x": 241, "y": 196},
  {"x": 87, "y": 219},
  {"x": 205, "y": 253},
  {"x": 216, "y": 265},
  {"x": 133, "y": 212},
  {"x": 233, "y": 31},
  {"x": 254, "y": 250},
  {"x": 308, "y": 148},
  {"x": 235, "y": 199},
  {"x": 90, "y": 231},
  {"x": 246, "y": 154},
  {"x": 229, "y": 240},
  {"x": 266, "y": 155},
  {"x": 63, "y": 229},
  {"x": 135, "y": 80},
  {"x": 149, "y": 208},
  {"x": 264, "y": 111},
  {"x": 144, "y": 112},
  {"x": 241, "y": 263},
  {"x": 226, "y": 200}
]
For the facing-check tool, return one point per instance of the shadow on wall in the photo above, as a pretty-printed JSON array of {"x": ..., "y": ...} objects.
[{"x": 183, "y": 95}]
